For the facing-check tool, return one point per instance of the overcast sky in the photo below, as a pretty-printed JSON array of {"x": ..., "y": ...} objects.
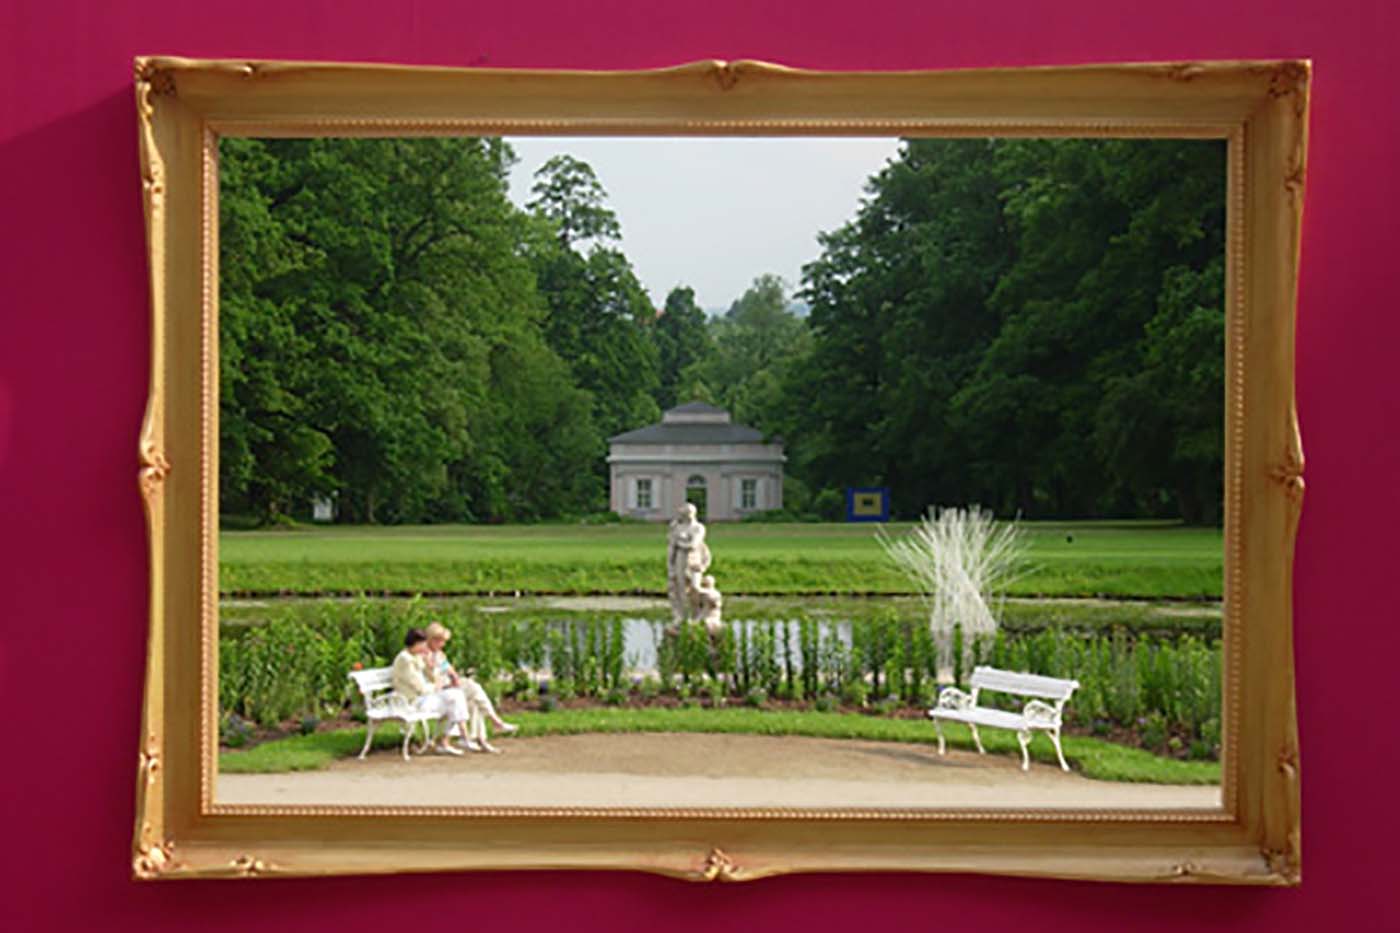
[{"x": 716, "y": 213}]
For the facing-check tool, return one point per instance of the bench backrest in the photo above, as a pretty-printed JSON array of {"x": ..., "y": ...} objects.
[
  {"x": 1032, "y": 685},
  {"x": 373, "y": 680}
]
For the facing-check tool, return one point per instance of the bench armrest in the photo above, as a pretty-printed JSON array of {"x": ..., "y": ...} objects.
[
  {"x": 953, "y": 698},
  {"x": 391, "y": 703},
  {"x": 1040, "y": 713}
]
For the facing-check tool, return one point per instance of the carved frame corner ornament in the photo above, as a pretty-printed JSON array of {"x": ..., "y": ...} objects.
[
  {"x": 184, "y": 107},
  {"x": 1290, "y": 79},
  {"x": 1284, "y": 865},
  {"x": 153, "y": 860},
  {"x": 156, "y": 74}
]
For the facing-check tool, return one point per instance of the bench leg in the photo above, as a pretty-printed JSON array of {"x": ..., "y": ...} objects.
[
  {"x": 938, "y": 727},
  {"x": 1055, "y": 737},
  {"x": 369, "y": 737},
  {"x": 1024, "y": 737},
  {"x": 409, "y": 729},
  {"x": 977, "y": 739}
]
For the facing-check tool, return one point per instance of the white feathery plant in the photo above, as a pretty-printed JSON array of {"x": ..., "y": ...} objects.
[{"x": 959, "y": 559}]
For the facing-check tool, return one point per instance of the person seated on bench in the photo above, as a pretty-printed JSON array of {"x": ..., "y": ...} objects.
[
  {"x": 410, "y": 680},
  {"x": 479, "y": 705}
]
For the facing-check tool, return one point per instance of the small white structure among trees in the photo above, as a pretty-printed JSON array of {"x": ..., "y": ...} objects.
[
  {"x": 961, "y": 560},
  {"x": 695, "y": 454}
]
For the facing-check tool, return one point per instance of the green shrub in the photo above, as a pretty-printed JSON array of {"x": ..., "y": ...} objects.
[
  {"x": 293, "y": 663},
  {"x": 830, "y": 504},
  {"x": 714, "y": 692},
  {"x": 1154, "y": 731},
  {"x": 797, "y": 497},
  {"x": 1210, "y": 734},
  {"x": 756, "y": 697},
  {"x": 793, "y": 692},
  {"x": 234, "y": 731},
  {"x": 855, "y": 693}
]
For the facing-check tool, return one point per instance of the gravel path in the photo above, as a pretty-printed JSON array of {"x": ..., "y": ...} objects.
[{"x": 670, "y": 770}]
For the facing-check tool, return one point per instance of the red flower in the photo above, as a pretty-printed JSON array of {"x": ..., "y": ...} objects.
[{"x": 358, "y": 666}]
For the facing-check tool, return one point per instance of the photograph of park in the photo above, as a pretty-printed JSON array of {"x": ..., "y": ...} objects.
[{"x": 728, "y": 472}]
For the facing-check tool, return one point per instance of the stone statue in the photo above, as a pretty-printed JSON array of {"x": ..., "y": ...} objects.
[
  {"x": 687, "y": 559},
  {"x": 709, "y": 602}
]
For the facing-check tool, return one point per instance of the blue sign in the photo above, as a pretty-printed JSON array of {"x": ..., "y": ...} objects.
[{"x": 867, "y": 503}]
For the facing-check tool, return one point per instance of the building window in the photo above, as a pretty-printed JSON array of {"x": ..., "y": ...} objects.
[
  {"x": 748, "y": 494},
  {"x": 643, "y": 493}
]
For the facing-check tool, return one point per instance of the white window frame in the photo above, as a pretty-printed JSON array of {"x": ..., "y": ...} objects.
[
  {"x": 748, "y": 493},
  {"x": 643, "y": 484}
]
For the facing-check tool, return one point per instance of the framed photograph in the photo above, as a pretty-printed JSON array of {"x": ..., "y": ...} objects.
[{"x": 721, "y": 471}]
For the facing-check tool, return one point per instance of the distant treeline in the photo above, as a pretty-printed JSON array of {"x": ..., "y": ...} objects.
[{"x": 1033, "y": 325}]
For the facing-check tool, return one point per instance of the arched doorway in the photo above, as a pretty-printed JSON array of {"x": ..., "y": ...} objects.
[{"x": 697, "y": 494}]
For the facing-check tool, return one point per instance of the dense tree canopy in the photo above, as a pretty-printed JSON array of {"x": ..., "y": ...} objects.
[
  {"x": 599, "y": 316},
  {"x": 1032, "y": 325},
  {"x": 682, "y": 339},
  {"x": 1036, "y": 325},
  {"x": 385, "y": 336},
  {"x": 752, "y": 346}
]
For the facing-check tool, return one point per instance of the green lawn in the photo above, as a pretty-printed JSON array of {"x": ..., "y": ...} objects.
[
  {"x": 1090, "y": 757},
  {"x": 1141, "y": 559}
]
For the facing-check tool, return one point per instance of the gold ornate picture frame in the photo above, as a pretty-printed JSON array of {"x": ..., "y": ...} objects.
[{"x": 186, "y": 106}]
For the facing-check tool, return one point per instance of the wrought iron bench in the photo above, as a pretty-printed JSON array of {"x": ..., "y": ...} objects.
[
  {"x": 960, "y": 706},
  {"x": 381, "y": 702}
]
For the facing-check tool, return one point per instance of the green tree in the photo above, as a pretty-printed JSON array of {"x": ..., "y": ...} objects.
[
  {"x": 598, "y": 317},
  {"x": 754, "y": 344},
  {"x": 568, "y": 194},
  {"x": 1103, "y": 228},
  {"x": 1032, "y": 325},
  {"x": 682, "y": 340},
  {"x": 899, "y": 318},
  {"x": 369, "y": 291},
  {"x": 269, "y": 455}
]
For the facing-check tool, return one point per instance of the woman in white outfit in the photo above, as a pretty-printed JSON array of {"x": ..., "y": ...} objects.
[
  {"x": 411, "y": 683},
  {"x": 479, "y": 705}
]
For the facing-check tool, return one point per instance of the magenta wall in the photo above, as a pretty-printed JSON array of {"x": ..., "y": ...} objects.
[{"x": 73, "y": 356}]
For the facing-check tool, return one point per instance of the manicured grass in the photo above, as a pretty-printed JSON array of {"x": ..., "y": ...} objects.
[
  {"x": 1090, "y": 757},
  {"x": 1136, "y": 559}
]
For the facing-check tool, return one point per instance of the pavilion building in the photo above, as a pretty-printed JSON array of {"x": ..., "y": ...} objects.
[{"x": 695, "y": 454}]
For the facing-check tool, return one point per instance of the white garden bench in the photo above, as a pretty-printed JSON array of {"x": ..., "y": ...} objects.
[
  {"x": 381, "y": 702},
  {"x": 959, "y": 706}
]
